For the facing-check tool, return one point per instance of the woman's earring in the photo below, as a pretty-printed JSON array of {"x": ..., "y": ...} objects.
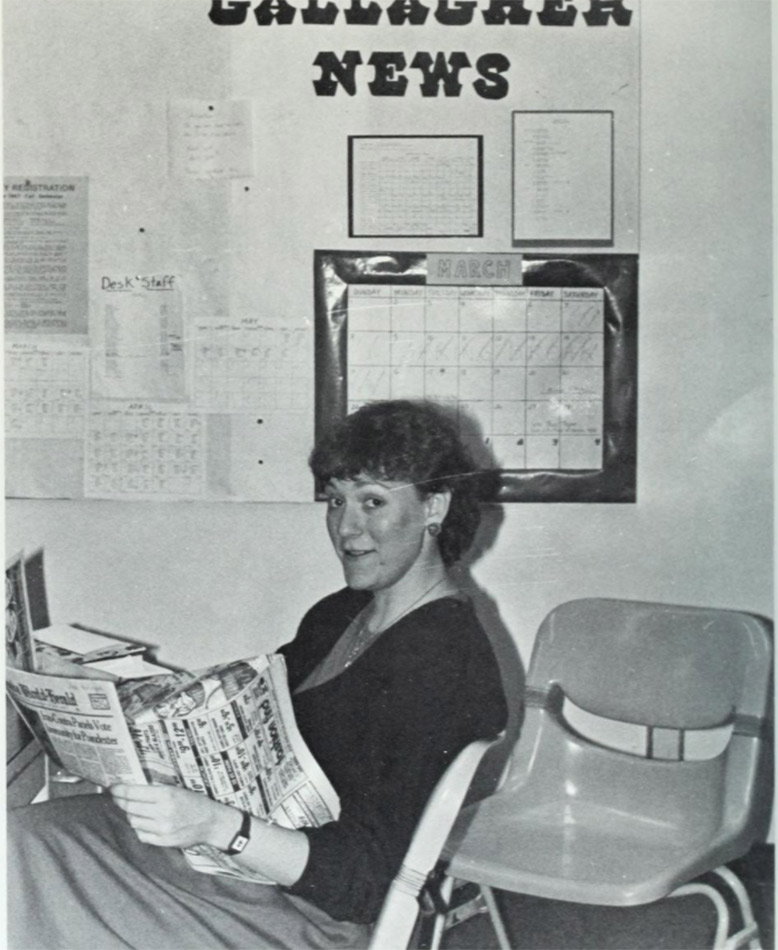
[{"x": 434, "y": 529}]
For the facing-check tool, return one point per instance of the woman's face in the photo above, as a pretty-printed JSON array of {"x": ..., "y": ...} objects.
[{"x": 376, "y": 528}]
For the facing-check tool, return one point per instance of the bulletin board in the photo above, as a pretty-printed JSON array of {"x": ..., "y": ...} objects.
[
  {"x": 537, "y": 355},
  {"x": 137, "y": 369},
  {"x": 161, "y": 328}
]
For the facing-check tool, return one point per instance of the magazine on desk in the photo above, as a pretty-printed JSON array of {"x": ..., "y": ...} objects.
[{"x": 228, "y": 731}]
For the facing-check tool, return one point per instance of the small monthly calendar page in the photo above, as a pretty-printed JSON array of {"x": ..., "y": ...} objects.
[
  {"x": 522, "y": 365},
  {"x": 147, "y": 450}
]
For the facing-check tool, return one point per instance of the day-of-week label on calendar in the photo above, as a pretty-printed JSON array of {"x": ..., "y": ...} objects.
[{"x": 474, "y": 269}]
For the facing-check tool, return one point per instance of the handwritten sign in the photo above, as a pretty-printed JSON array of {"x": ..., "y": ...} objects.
[{"x": 210, "y": 139}]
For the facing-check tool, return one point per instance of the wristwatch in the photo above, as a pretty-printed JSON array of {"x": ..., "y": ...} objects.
[{"x": 241, "y": 839}]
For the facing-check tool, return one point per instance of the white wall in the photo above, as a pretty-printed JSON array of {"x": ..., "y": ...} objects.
[{"x": 207, "y": 581}]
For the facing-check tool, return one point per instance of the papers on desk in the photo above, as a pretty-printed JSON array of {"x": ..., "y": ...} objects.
[
  {"x": 119, "y": 658},
  {"x": 19, "y": 648}
]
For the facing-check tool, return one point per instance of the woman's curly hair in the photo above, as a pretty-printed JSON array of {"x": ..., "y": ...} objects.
[{"x": 414, "y": 442}]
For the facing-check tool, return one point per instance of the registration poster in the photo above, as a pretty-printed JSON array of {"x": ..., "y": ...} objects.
[{"x": 46, "y": 259}]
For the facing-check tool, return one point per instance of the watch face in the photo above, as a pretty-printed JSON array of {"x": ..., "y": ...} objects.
[
  {"x": 239, "y": 842},
  {"x": 241, "y": 839}
]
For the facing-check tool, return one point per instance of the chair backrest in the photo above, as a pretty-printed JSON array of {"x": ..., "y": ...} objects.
[
  {"x": 664, "y": 665},
  {"x": 400, "y": 910},
  {"x": 667, "y": 668}
]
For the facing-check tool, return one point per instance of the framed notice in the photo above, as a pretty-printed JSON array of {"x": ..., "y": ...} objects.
[
  {"x": 563, "y": 178},
  {"x": 415, "y": 185},
  {"x": 534, "y": 356}
]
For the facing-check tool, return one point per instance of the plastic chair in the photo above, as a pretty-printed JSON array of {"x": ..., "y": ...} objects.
[
  {"x": 576, "y": 820},
  {"x": 400, "y": 911}
]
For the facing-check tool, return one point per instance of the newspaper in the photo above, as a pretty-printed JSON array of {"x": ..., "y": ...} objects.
[{"x": 228, "y": 731}]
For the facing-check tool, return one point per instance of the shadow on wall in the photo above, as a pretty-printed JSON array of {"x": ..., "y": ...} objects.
[
  {"x": 502, "y": 640},
  {"x": 504, "y": 646}
]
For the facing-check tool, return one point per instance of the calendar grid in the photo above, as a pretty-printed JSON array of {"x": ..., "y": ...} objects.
[
  {"x": 46, "y": 392},
  {"x": 138, "y": 449},
  {"x": 522, "y": 364}
]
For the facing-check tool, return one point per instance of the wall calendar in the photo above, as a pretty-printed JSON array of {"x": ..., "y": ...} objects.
[{"x": 535, "y": 356}]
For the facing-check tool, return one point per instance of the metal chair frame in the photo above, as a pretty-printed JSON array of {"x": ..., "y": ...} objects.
[
  {"x": 717, "y": 670},
  {"x": 400, "y": 912}
]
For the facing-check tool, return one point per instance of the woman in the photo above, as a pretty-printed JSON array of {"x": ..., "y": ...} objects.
[{"x": 390, "y": 677}]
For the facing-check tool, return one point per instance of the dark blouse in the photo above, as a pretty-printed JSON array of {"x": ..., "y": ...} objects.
[{"x": 384, "y": 730}]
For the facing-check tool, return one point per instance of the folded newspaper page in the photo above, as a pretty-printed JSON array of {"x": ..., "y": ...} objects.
[
  {"x": 228, "y": 731},
  {"x": 80, "y": 724}
]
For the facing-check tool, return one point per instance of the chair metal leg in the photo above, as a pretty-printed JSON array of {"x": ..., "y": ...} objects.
[
  {"x": 494, "y": 913},
  {"x": 446, "y": 890},
  {"x": 722, "y": 911},
  {"x": 749, "y": 932},
  {"x": 483, "y": 901},
  {"x": 748, "y": 935}
]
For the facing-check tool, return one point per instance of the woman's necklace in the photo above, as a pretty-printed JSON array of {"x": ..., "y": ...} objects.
[{"x": 365, "y": 636}]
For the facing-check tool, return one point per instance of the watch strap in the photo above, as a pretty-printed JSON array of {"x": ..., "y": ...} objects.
[{"x": 241, "y": 838}]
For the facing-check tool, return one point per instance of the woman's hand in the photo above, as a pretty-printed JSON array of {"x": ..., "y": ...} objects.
[{"x": 173, "y": 817}]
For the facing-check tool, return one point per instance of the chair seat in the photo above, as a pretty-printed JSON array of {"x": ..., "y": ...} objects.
[{"x": 574, "y": 851}]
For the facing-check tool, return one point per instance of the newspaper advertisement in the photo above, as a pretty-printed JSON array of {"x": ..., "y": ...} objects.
[{"x": 228, "y": 732}]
